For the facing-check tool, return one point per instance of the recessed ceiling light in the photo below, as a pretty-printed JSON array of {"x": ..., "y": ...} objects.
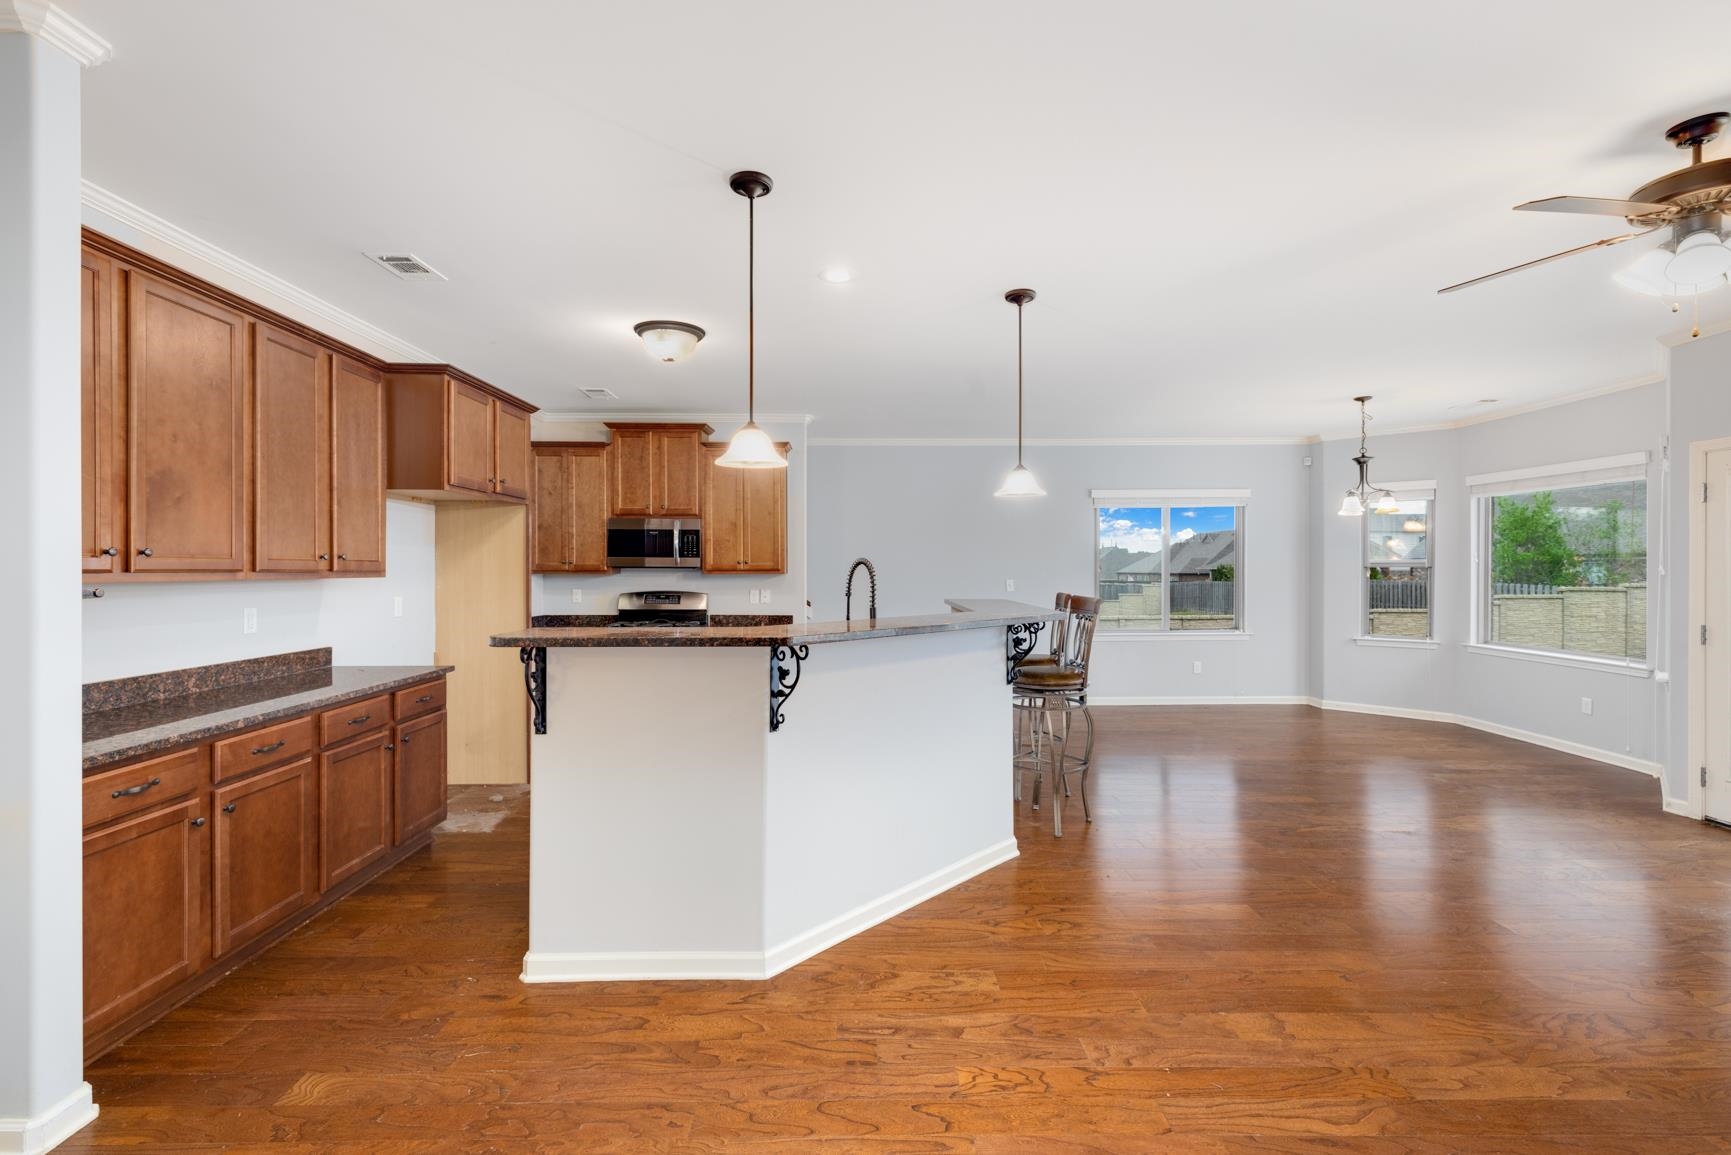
[{"x": 835, "y": 276}]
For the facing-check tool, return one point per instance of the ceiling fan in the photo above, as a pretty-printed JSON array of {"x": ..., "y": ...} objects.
[{"x": 1691, "y": 202}]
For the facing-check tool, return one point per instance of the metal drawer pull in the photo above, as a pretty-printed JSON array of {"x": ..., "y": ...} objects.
[
  {"x": 423, "y": 698},
  {"x": 198, "y": 822},
  {"x": 146, "y": 552},
  {"x": 362, "y": 718},
  {"x": 228, "y": 809},
  {"x": 139, "y": 789},
  {"x": 277, "y": 745},
  {"x": 405, "y": 739},
  {"x": 110, "y": 552}
]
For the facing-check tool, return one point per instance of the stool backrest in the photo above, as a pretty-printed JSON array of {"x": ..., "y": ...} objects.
[
  {"x": 1084, "y": 613},
  {"x": 1061, "y": 603}
]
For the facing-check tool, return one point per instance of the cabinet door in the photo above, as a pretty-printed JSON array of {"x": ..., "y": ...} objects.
[
  {"x": 633, "y": 455},
  {"x": 510, "y": 450},
  {"x": 354, "y": 806},
  {"x": 420, "y": 776},
  {"x": 550, "y": 521},
  {"x": 263, "y": 868},
  {"x": 357, "y": 468},
  {"x": 679, "y": 473},
  {"x": 469, "y": 438},
  {"x": 588, "y": 467},
  {"x": 723, "y": 516},
  {"x": 145, "y": 881},
  {"x": 186, "y": 400},
  {"x": 763, "y": 506},
  {"x": 101, "y": 447},
  {"x": 291, "y": 453}
]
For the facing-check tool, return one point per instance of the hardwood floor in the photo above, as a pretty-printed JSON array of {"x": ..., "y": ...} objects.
[{"x": 1285, "y": 931}]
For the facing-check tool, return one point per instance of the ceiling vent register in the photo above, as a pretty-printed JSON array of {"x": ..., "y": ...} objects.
[{"x": 407, "y": 266}]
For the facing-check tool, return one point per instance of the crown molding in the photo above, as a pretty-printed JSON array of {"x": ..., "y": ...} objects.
[
  {"x": 596, "y": 418},
  {"x": 387, "y": 345},
  {"x": 998, "y": 442},
  {"x": 1639, "y": 382},
  {"x": 51, "y": 24}
]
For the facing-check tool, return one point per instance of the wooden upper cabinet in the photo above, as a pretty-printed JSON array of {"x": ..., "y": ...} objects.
[
  {"x": 744, "y": 517},
  {"x": 291, "y": 453},
  {"x": 101, "y": 444},
  {"x": 568, "y": 524},
  {"x": 510, "y": 450},
  {"x": 450, "y": 437},
  {"x": 186, "y": 444},
  {"x": 357, "y": 468},
  {"x": 657, "y": 470}
]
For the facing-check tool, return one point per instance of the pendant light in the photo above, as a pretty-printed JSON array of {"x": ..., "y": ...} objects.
[
  {"x": 1357, "y": 497},
  {"x": 750, "y": 447},
  {"x": 1020, "y": 483}
]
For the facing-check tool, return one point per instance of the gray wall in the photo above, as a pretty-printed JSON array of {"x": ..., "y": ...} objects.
[{"x": 926, "y": 517}]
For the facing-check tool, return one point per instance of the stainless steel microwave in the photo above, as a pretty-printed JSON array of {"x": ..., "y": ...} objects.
[{"x": 654, "y": 543}]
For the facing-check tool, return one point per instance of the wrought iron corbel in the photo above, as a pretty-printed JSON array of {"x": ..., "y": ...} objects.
[
  {"x": 783, "y": 679},
  {"x": 534, "y": 659},
  {"x": 1019, "y": 641}
]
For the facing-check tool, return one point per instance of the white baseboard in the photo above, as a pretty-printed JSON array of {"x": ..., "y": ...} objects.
[
  {"x": 603, "y": 966},
  {"x": 48, "y": 1130},
  {"x": 1203, "y": 700},
  {"x": 1562, "y": 746},
  {"x": 1684, "y": 807}
]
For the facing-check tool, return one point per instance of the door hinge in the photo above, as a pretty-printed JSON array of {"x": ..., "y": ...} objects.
[
  {"x": 1703, "y": 634},
  {"x": 1703, "y": 775},
  {"x": 1703, "y": 493}
]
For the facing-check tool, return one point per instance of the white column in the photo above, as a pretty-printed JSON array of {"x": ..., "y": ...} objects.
[{"x": 43, "y": 1095}]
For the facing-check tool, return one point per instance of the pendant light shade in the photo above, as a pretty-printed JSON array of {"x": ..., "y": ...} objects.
[
  {"x": 1351, "y": 506},
  {"x": 1364, "y": 494},
  {"x": 1020, "y": 483},
  {"x": 750, "y": 447}
]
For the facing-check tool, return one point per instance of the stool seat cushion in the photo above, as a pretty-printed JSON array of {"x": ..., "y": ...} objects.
[
  {"x": 1037, "y": 660},
  {"x": 1053, "y": 677}
]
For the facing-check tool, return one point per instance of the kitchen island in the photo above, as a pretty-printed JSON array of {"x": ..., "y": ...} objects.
[{"x": 726, "y": 801}]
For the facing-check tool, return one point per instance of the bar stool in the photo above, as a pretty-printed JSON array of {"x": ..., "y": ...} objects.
[
  {"x": 1025, "y": 745},
  {"x": 1047, "y": 698}
]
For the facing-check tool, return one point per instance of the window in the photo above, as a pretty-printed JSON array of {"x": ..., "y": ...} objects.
[
  {"x": 1563, "y": 560},
  {"x": 1397, "y": 569},
  {"x": 1169, "y": 562}
]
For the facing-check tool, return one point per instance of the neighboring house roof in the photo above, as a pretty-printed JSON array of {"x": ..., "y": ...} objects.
[{"x": 1200, "y": 554}]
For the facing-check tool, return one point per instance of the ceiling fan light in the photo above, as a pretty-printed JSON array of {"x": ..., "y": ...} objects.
[
  {"x": 1020, "y": 483},
  {"x": 751, "y": 448},
  {"x": 1351, "y": 506},
  {"x": 668, "y": 340},
  {"x": 1647, "y": 275},
  {"x": 1702, "y": 258}
]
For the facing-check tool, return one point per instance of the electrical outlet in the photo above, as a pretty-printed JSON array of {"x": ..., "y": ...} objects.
[
  {"x": 1307, "y": 463},
  {"x": 1009, "y": 585},
  {"x": 249, "y": 621},
  {"x": 1195, "y": 667},
  {"x": 397, "y": 606},
  {"x": 767, "y": 595},
  {"x": 1586, "y": 705},
  {"x": 755, "y": 597},
  {"x": 576, "y": 597}
]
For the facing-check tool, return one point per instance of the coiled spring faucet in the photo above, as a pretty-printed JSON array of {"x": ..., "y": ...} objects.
[{"x": 872, "y": 586}]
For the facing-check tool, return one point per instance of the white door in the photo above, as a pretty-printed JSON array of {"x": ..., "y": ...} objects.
[{"x": 1715, "y": 701}]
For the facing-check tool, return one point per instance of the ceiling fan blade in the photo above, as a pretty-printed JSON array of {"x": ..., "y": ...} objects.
[
  {"x": 1608, "y": 241},
  {"x": 1597, "y": 206}
]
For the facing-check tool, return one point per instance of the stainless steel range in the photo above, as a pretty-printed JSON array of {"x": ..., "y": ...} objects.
[{"x": 661, "y": 608}]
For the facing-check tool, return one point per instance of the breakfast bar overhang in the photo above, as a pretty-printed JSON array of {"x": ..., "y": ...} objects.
[{"x": 724, "y": 802}]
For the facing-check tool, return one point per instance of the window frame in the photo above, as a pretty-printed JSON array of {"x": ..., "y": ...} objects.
[
  {"x": 1166, "y": 500},
  {"x": 1424, "y": 491},
  {"x": 1482, "y": 489}
]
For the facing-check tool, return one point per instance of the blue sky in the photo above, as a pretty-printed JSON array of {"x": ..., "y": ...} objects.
[{"x": 1138, "y": 528}]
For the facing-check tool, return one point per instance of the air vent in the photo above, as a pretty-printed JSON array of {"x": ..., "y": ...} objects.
[
  {"x": 408, "y": 266},
  {"x": 600, "y": 394}
]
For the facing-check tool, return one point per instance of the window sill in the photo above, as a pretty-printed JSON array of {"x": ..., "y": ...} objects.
[
  {"x": 1397, "y": 643},
  {"x": 1627, "y": 669},
  {"x": 1168, "y": 635}
]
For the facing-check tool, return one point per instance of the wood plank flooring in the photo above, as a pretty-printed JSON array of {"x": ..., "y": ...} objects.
[{"x": 1286, "y": 931}]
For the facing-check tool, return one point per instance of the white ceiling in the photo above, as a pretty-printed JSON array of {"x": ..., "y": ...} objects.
[{"x": 1235, "y": 214}]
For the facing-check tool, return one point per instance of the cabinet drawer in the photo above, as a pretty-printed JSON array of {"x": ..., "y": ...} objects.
[
  {"x": 142, "y": 785},
  {"x": 421, "y": 699},
  {"x": 262, "y": 749},
  {"x": 354, "y": 719}
]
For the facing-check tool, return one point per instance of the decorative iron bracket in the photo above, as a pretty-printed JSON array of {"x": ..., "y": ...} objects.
[
  {"x": 783, "y": 679},
  {"x": 534, "y": 659},
  {"x": 1019, "y": 642}
]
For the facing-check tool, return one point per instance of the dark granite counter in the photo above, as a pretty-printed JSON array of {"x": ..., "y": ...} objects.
[
  {"x": 581, "y": 620},
  {"x": 132, "y": 717},
  {"x": 786, "y": 633}
]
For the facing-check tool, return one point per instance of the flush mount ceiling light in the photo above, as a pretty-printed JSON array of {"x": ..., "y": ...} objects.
[
  {"x": 668, "y": 340},
  {"x": 1020, "y": 483},
  {"x": 751, "y": 447},
  {"x": 1364, "y": 494}
]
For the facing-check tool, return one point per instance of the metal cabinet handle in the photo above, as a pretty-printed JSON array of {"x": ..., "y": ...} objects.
[
  {"x": 277, "y": 745},
  {"x": 324, "y": 557},
  {"x": 342, "y": 557},
  {"x": 110, "y": 552},
  {"x": 390, "y": 745},
  {"x": 228, "y": 808},
  {"x": 198, "y": 822},
  {"x": 423, "y": 698},
  {"x": 405, "y": 739},
  {"x": 146, "y": 552},
  {"x": 139, "y": 789},
  {"x": 362, "y": 718}
]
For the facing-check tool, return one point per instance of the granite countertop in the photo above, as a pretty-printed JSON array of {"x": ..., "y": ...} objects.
[
  {"x": 1001, "y": 613},
  {"x": 133, "y": 717}
]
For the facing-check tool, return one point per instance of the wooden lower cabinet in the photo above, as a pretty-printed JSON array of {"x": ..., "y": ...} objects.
[
  {"x": 197, "y": 859},
  {"x": 145, "y": 912},
  {"x": 265, "y": 854}
]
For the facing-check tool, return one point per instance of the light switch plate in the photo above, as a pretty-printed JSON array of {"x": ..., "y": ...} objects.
[
  {"x": 576, "y": 597},
  {"x": 249, "y": 620},
  {"x": 1586, "y": 705},
  {"x": 397, "y": 606},
  {"x": 1009, "y": 585},
  {"x": 767, "y": 596},
  {"x": 755, "y": 598},
  {"x": 1195, "y": 667}
]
